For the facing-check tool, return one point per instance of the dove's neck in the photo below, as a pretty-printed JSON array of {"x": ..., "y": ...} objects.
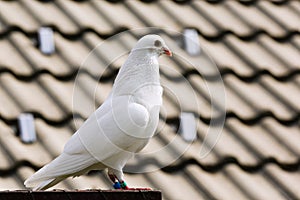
[{"x": 140, "y": 69}]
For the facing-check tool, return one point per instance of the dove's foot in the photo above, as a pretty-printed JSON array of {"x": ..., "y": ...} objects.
[
  {"x": 116, "y": 178},
  {"x": 120, "y": 185},
  {"x": 123, "y": 186}
]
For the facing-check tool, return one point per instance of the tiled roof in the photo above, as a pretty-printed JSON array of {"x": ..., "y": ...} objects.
[{"x": 255, "y": 44}]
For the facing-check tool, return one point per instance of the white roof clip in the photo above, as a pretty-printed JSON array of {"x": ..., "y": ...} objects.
[
  {"x": 46, "y": 40},
  {"x": 191, "y": 42},
  {"x": 188, "y": 126},
  {"x": 26, "y": 128}
]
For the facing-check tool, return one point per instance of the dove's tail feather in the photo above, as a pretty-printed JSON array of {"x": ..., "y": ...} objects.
[
  {"x": 60, "y": 168},
  {"x": 47, "y": 184}
]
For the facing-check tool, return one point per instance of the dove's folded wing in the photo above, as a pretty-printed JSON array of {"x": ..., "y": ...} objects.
[{"x": 106, "y": 134}]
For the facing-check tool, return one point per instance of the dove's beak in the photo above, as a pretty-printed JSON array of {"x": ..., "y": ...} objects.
[{"x": 167, "y": 51}]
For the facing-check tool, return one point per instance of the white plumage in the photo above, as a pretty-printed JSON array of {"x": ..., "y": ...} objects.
[{"x": 120, "y": 127}]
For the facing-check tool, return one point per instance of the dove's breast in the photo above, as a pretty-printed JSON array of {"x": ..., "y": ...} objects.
[{"x": 150, "y": 97}]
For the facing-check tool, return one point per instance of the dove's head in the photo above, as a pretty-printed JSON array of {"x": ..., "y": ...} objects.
[{"x": 153, "y": 43}]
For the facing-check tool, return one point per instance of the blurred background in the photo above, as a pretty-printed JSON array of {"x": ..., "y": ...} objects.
[{"x": 247, "y": 49}]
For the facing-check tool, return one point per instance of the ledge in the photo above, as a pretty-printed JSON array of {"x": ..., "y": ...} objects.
[{"x": 81, "y": 194}]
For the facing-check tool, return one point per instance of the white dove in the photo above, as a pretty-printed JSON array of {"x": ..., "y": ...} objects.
[{"x": 120, "y": 127}]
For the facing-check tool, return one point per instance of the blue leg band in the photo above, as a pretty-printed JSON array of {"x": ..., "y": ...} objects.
[{"x": 117, "y": 185}]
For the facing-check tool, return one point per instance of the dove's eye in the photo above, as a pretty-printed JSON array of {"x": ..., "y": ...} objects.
[{"x": 157, "y": 43}]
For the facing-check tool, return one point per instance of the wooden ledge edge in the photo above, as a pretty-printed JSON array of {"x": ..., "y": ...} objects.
[{"x": 90, "y": 194}]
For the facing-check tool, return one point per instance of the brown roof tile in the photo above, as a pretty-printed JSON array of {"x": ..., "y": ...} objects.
[
  {"x": 21, "y": 18},
  {"x": 254, "y": 186},
  {"x": 288, "y": 180},
  {"x": 49, "y": 14},
  {"x": 256, "y": 98},
  {"x": 18, "y": 65},
  {"x": 151, "y": 14},
  {"x": 254, "y": 17},
  {"x": 222, "y": 16},
  {"x": 35, "y": 58},
  {"x": 117, "y": 14},
  {"x": 283, "y": 15},
  {"x": 262, "y": 142},
  {"x": 22, "y": 151},
  {"x": 187, "y": 17},
  {"x": 21, "y": 94},
  {"x": 83, "y": 15}
]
